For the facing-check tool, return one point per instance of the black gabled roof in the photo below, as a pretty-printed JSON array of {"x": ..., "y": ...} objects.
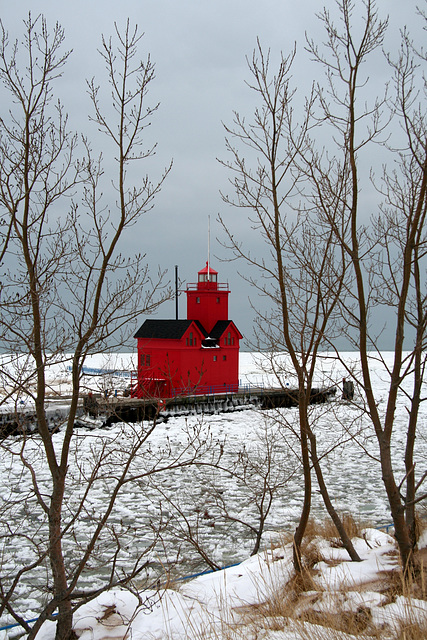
[
  {"x": 163, "y": 329},
  {"x": 220, "y": 327},
  {"x": 175, "y": 329},
  {"x": 201, "y": 327},
  {"x": 166, "y": 329}
]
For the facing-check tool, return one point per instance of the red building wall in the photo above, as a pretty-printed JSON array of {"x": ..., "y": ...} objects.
[
  {"x": 172, "y": 360},
  {"x": 222, "y": 368}
]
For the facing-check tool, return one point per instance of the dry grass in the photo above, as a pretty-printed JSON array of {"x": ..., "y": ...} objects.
[
  {"x": 301, "y": 603},
  {"x": 354, "y": 623},
  {"x": 412, "y": 632},
  {"x": 296, "y": 605},
  {"x": 327, "y": 529},
  {"x": 415, "y": 585}
]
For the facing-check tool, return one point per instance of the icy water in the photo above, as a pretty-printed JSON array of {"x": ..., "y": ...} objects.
[{"x": 196, "y": 489}]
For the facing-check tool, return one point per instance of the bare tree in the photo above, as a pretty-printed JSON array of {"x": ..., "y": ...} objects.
[
  {"x": 325, "y": 259},
  {"x": 102, "y": 548},
  {"x": 388, "y": 258},
  {"x": 68, "y": 287},
  {"x": 240, "y": 488},
  {"x": 405, "y": 206},
  {"x": 304, "y": 271}
]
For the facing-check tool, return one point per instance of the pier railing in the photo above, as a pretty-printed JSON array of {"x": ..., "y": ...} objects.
[
  {"x": 260, "y": 389},
  {"x": 216, "y": 286},
  {"x": 205, "y": 390}
]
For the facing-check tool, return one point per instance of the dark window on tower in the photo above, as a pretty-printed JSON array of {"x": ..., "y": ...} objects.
[
  {"x": 224, "y": 357},
  {"x": 191, "y": 341},
  {"x": 144, "y": 360},
  {"x": 197, "y": 300},
  {"x": 215, "y": 358},
  {"x": 218, "y": 300}
]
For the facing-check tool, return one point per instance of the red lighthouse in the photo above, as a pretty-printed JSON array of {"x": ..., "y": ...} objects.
[{"x": 195, "y": 356}]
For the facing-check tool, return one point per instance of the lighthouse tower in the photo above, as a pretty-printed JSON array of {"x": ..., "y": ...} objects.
[{"x": 207, "y": 300}]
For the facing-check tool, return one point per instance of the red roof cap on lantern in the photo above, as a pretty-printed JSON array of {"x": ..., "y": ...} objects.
[{"x": 208, "y": 270}]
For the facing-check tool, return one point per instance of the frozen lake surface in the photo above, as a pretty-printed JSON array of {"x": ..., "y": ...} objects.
[{"x": 177, "y": 516}]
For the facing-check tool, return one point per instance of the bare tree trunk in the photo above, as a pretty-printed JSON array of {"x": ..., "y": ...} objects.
[
  {"x": 65, "y": 616},
  {"x": 305, "y": 512},
  {"x": 347, "y": 543}
]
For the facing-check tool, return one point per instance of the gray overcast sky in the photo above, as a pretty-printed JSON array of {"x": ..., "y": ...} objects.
[{"x": 199, "y": 49}]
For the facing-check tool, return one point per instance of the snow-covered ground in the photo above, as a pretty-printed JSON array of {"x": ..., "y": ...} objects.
[
  {"x": 226, "y": 604},
  {"x": 220, "y": 503}
]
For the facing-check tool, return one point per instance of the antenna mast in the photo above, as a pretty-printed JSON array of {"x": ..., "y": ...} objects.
[
  {"x": 209, "y": 247},
  {"x": 176, "y": 292}
]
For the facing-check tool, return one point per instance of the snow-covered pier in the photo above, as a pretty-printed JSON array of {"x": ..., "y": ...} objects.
[
  {"x": 137, "y": 409},
  {"x": 108, "y": 410}
]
